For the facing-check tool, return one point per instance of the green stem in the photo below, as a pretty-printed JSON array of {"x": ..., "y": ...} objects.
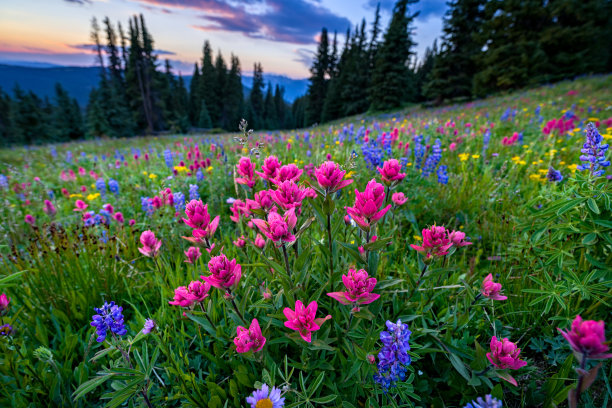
[
  {"x": 418, "y": 283},
  {"x": 331, "y": 254},
  {"x": 286, "y": 260},
  {"x": 580, "y": 378}
]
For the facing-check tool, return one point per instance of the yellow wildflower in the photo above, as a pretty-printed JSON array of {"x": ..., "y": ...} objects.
[
  {"x": 152, "y": 176},
  {"x": 464, "y": 156},
  {"x": 180, "y": 169},
  {"x": 475, "y": 156},
  {"x": 75, "y": 195},
  {"x": 92, "y": 197}
]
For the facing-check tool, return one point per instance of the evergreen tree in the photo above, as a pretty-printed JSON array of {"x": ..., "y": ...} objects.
[
  {"x": 356, "y": 81},
  {"x": 204, "y": 121},
  {"x": 513, "y": 55},
  {"x": 234, "y": 98},
  {"x": 220, "y": 116},
  {"x": 391, "y": 78},
  {"x": 28, "y": 117},
  {"x": 298, "y": 112},
  {"x": 207, "y": 81},
  {"x": 424, "y": 70},
  {"x": 282, "y": 110},
  {"x": 333, "y": 106},
  {"x": 67, "y": 118},
  {"x": 195, "y": 96},
  {"x": 255, "y": 109},
  {"x": 270, "y": 117},
  {"x": 317, "y": 88},
  {"x": 454, "y": 69},
  {"x": 7, "y": 131}
]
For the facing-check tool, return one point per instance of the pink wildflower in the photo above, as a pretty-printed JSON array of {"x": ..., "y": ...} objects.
[
  {"x": 288, "y": 172},
  {"x": 225, "y": 274},
  {"x": 270, "y": 167},
  {"x": 391, "y": 172},
  {"x": 118, "y": 217},
  {"x": 150, "y": 244},
  {"x": 435, "y": 242},
  {"x": 587, "y": 337},
  {"x": 331, "y": 177},
  {"x": 249, "y": 339},
  {"x": 399, "y": 199},
  {"x": 458, "y": 239},
  {"x": 365, "y": 212},
  {"x": 492, "y": 289},
  {"x": 359, "y": 289},
  {"x": 302, "y": 319},
  {"x": 196, "y": 292},
  {"x": 278, "y": 227},
  {"x": 80, "y": 205},
  {"x": 49, "y": 208},
  {"x": 29, "y": 219},
  {"x": 246, "y": 169},
  {"x": 192, "y": 254},
  {"x": 288, "y": 195}
]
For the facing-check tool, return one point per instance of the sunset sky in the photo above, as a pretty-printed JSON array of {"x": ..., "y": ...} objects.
[{"x": 281, "y": 34}]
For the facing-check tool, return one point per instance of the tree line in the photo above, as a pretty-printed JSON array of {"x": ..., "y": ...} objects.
[{"x": 487, "y": 46}]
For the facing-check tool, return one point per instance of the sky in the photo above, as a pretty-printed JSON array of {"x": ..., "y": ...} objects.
[{"x": 281, "y": 34}]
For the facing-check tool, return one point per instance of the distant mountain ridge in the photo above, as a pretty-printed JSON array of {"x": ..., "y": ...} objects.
[{"x": 41, "y": 78}]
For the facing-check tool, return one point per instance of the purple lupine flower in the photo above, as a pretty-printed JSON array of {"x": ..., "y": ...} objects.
[
  {"x": 108, "y": 317},
  {"x": 393, "y": 357},
  {"x": 594, "y": 153}
]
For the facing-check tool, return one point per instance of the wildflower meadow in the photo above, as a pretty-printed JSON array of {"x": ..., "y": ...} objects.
[{"x": 458, "y": 256}]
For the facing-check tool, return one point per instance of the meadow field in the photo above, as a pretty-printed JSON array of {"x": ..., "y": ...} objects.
[{"x": 426, "y": 257}]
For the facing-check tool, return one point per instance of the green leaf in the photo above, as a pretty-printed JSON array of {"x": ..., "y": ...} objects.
[
  {"x": 91, "y": 385},
  {"x": 459, "y": 366},
  {"x": 593, "y": 205},
  {"x": 325, "y": 400},
  {"x": 589, "y": 239}
]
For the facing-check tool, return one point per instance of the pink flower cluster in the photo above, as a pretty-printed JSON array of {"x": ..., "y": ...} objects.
[
  {"x": 196, "y": 292},
  {"x": 150, "y": 244},
  {"x": 504, "y": 354},
  {"x": 331, "y": 177},
  {"x": 359, "y": 289},
  {"x": 278, "y": 228},
  {"x": 366, "y": 211},
  {"x": 391, "y": 172},
  {"x": 437, "y": 241},
  {"x": 509, "y": 141},
  {"x": 303, "y": 320},
  {"x": 224, "y": 274},
  {"x": 246, "y": 169},
  {"x": 588, "y": 338},
  {"x": 492, "y": 290},
  {"x": 199, "y": 219},
  {"x": 249, "y": 339}
]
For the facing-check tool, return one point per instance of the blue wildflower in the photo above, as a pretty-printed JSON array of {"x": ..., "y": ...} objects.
[
  {"x": 393, "y": 357},
  {"x": 108, "y": 317},
  {"x": 69, "y": 157},
  {"x": 3, "y": 182},
  {"x": 487, "y": 402},
  {"x": 101, "y": 186},
  {"x": 554, "y": 176},
  {"x": 193, "y": 192},
  {"x": 147, "y": 205},
  {"x": 168, "y": 158},
  {"x": 419, "y": 151},
  {"x": 594, "y": 153},
  {"x": 442, "y": 175},
  {"x": 179, "y": 201},
  {"x": 433, "y": 159},
  {"x": 199, "y": 175},
  {"x": 148, "y": 326},
  {"x": 113, "y": 186}
]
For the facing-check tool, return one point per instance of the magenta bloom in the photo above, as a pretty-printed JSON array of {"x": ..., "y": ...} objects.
[
  {"x": 288, "y": 172},
  {"x": 196, "y": 292},
  {"x": 492, "y": 289},
  {"x": 399, "y": 199},
  {"x": 240, "y": 242},
  {"x": 192, "y": 254},
  {"x": 458, "y": 239},
  {"x": 199, "y": 219},
  {"x": 260, "y": 242},
  {"x": 587, "y": 337},
  {"x": 391, "y": 172},
  {"x": 365, "y": 212},
  {"x": 49, "y": 208},
  {"x": 80, "y": 205},
  {"x": 150, "y": 244},
  {"x": 270, "y": 167},
  {"x": 4, "y": 303},
  {"x": 249, "y": 339},
  {"x": 278, "y": 227},
  {"x": 504, "y": 354},
  {"x": 288, "y": 195},
  {"x": 302, "y": 319},
  {"x": 263, "y": 200},
  {"x": 359, "y": 289},
  {"x": 118, "y": 216},
  {"x": 246, "y": 169},
  {"x": 225, "y": 274},
  {"x": 29, "y": 219},
  {"x": 331, "y": 177},
  {"x": 435, "y": 242},
  {"x": 239, "y": 208}
]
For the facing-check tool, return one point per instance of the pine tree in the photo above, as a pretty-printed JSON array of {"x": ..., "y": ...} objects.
[
  {"x": 424, "y": 70},
  {"x": 7, "y": 131},
  {"x": 204, "y": 121},
  {"x": 317, "y": 89},
  {"x": 356, "y": 81},
  {"x": 220, "y": 117},
  {"x": 282, "y": 110},
  {"x": 333, "y": 106},
  {"x": 454, "y": 68},
  {"x": 298, "y": 112},
  {"x": 391, "y": 78},
  {"x": 67, "y": 118},
  {"x": 513, "y": 56},
  {"x": 255, "y": 109},
  {"x": 28, "y": 117},
  {"x": 195, "y": 96},
  {"x": 270, "y": 118},
  {"x": 234, "y": 98},
  {"x": 207, "y": 81}
]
